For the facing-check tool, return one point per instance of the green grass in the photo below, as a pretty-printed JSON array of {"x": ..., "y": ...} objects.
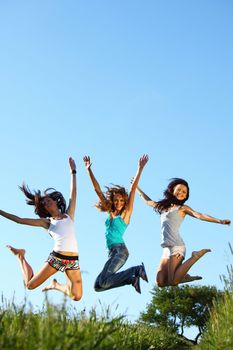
[
  {"x": 57, "y": 328},
  {"x": 219, "y": 333}
]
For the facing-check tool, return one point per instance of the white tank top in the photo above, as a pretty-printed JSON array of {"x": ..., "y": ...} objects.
[
  {"x": 63, "y": 233},
  {"x": 170, "y": 224}
]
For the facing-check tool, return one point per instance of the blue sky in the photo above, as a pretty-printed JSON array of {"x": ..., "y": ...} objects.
[{"x": 114, "y": 80}]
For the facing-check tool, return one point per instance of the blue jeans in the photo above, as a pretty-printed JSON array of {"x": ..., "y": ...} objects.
[{"x": 108, "y": 278}]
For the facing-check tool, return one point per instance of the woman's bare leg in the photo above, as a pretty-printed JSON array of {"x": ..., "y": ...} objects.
[
  {"x": 72, "y": 289},
  {"x": 25, "y": 267},
  {"x": 177, "y": 270},
  {"x": 55, "y": 285},
  {"x": 162, "y": 273},
  {"x": 32, "y": 281},
  {"x": 75, "y": 282},
  {"x": 187, "y": 278}
]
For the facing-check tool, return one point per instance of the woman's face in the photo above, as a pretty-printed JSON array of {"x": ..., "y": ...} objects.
[
  {"x": 180, "y": 191},
  {"x": 119, "y": 202},
  {"x": 49, "y": 204}
]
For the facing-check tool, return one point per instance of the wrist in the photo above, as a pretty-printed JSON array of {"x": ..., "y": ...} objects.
[{"x": 73, "y": 172}]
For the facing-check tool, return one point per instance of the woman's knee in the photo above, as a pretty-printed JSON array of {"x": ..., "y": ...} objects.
[
  {"x": 98, "y": 287},
  {"x": 77, "y": 296},
  {"x": 101, "y": 283},
  {"x": 76, "y": 290},
  {"x": 174, "y": 283},
  {"x": 161, "y": 284},
  {"x": 30, "y": 285},
  {"x": 161, "y": 281}
]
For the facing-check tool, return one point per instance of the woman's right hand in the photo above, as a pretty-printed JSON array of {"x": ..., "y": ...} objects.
[
  {"x": 87, "y": 161},
  {"x": 143, "y": 160},
  {"x": 225, "y": 222}
]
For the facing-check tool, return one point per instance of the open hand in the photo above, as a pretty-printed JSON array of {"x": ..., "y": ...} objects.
[
  {"x": 87, "y": 161},
  {"x": 143, "y": 160}
]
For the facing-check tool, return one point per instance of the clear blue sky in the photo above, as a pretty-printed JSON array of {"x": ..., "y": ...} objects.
[{"x": 114, "y": 80}]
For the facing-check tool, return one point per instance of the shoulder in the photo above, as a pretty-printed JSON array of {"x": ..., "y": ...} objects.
[
  {"x": 125, "y": 216},
  {"x": 125, "y": 212},
  {"x": 69, "y": 216},
  {"x": 45, "y": 222},
  {"x": 185, "y": 209}
]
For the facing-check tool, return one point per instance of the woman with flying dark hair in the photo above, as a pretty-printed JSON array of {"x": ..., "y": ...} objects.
[
  {"x": 50, "y": 206},
  {"x": 119, "y": 206},
  {"x": 172, "y": 270}
]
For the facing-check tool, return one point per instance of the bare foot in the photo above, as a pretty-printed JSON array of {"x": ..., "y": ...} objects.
[
  {"x": 198, "y": 254},
  {"x": 51, "y": 286},
  {"x": 18, "y": 252},
  {"x": 187, "y": 278}
]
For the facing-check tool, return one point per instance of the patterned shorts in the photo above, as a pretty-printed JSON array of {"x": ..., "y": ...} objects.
[{"x": 63, "y": 262}]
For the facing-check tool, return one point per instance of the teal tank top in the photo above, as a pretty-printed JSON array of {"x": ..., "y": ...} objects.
[{"x": 115, "y": 228}]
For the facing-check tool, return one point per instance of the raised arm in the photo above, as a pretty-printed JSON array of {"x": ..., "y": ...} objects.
[
  {"x": 145, "y": 198},
  {"x": 189, "y": 211},
  {"x": 24, "y": 221},
  {"x": 73, "y": 189},
  {"x": 87, "y": 162},
  {"x": 142, "y": 162}
]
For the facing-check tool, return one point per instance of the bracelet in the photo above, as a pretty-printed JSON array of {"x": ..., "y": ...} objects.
[{"x": 73, "y": 171}]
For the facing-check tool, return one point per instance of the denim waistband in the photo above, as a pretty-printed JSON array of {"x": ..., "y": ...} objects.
[{"x": 118, "y": 245}]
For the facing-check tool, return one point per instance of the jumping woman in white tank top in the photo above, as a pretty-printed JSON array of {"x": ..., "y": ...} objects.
[
  {"x": 53, "y": 216},
  {"x": 172, "y": 270}
]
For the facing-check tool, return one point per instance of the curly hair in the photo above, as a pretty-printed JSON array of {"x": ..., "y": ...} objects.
[
  {"x": 169, "y": 199},
  {"x": 36, "y": 200},
  {"x": 108, "y": 204}
]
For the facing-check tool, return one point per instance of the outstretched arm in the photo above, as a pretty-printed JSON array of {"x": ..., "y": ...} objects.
[
  {"x": 142, "y": 162},
  {"x": 146, "y": 199},
  {"x": 87, "y": 162},
  {"x": 189, "y": 211},
  {"x": 24, "y": 221},
  {"x": 73, "y": 189}
]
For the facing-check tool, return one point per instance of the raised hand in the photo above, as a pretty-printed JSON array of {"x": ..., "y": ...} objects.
[
  {"x": 72, "y": 164},
  {"x": 143, "y": 160},
  {"x": 87, "y": 161}
]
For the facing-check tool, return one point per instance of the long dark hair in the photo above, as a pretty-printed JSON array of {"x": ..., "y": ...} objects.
[
  {"x": 36, "y": 199},
  {"x": 169, "y": 199},
  {"x": 108, "y": 204}
]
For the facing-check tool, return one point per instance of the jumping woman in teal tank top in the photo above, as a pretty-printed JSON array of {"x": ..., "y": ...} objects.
[{"x": 119, "y": 206}]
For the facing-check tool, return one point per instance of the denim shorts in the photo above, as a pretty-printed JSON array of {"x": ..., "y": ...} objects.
[{"x": 63, "y": 262}]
